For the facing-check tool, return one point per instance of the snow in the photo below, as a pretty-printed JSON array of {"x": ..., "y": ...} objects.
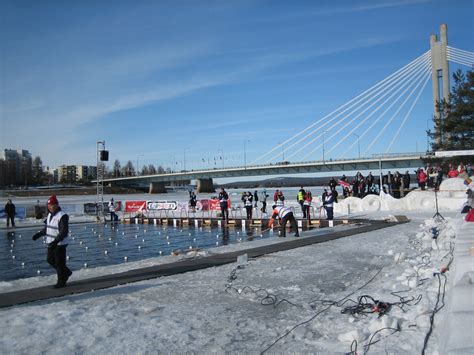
[{"x": 285, "y": 302}]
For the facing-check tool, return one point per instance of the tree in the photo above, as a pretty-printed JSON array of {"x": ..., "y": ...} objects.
[
  {"x": 117, "y": 168},
  {"x": 128, "y": 169},
  {"x": 145, "y": 170},
  {"x": 151, "y": 169},
  {"x": 454, "y": 126}
]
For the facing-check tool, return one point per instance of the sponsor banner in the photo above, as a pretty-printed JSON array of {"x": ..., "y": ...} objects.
[
  {"x": 161, "y": 205},
  {"x": 90, "y": 208},
  {"x": 20, "y": 212},
  {"x": 71, "y": 209},
  {"x": 135, "y": 206},
  {"x": 214, "y": 205}
]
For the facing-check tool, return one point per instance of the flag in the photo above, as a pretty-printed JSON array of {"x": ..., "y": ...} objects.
[
  {"x": 467, "y": 181},
  {"x": 344, "y": 184}
]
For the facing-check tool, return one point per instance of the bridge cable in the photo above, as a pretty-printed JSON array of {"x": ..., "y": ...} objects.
[
  {"x": 399, "y": 83},
  {"x": 361, "y": 106},
  {"x": 460, "y": 56},
  {"x": 366, "y": 131},
  {"x": 413, "y": 78},
  {"x": 408, "y": 113},
  {"x": 394, "y": 115},
  {"x": 372, "y": 97},
  {"x": 341, "y": 107}
]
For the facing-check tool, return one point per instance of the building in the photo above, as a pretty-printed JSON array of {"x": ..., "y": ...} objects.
[
  {"x": 15, "y": 167},
  {"x": 75, "y": 173}
]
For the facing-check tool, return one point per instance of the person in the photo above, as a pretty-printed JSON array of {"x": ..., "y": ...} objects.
[
  {"x": 224, "y": 204},
  {"x": 10, "y": 213},
  {"x": 255, "y": 198},
  {"x": 56, "y": 231},
  {"x": 285, "y": 215},
  {"x": 38, "y": 210},
  {"x": 332, "y": 183},
  {"x": 192, "y": 201},
  {"x": 280, "y": 201},
  {"x": 406, "y": 182},
  {"x": 328, "y": 201},
  {"x": 370, "y": 180},
  {"x": 247, "y": 199},
  {"x": 113, "y": 215},
  {"x": 422, "y": 179},
  {"x": 300, "y": 199},
  {"x": 308, "y": 198},
  {"x": 264, "y": 201}
]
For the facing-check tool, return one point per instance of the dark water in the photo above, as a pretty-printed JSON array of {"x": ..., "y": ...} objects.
[{"x": 109, "y": 244}]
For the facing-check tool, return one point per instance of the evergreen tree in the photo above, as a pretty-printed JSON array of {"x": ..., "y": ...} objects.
[{"x": 454, "y": 129}]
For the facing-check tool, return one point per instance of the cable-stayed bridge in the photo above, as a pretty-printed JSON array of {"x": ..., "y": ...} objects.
[{"x": 379, "y": 114}]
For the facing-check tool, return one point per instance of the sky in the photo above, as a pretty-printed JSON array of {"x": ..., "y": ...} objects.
[{"x": 203, "y": 84}]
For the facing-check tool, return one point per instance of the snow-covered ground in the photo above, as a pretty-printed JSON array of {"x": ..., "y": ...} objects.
[
  {"x": 296, "y": 301},
  {"x": 316, "y": 299}
]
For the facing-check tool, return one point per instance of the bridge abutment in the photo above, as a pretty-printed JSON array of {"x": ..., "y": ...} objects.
[
  {"x": 157, "y": 187},
  {"x": 205, "y": 185}
]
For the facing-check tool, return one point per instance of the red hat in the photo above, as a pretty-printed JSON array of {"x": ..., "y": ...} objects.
[{"x": 53, "y": 200}]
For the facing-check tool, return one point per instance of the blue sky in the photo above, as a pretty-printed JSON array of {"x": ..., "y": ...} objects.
[{"x": 161, "y": 81}]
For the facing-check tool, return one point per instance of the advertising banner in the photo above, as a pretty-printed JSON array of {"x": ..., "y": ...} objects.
[
  {"x": 20, "y": 212},
  {"x": 135, "y": 206},
  {"x": 161, "y": 205}
]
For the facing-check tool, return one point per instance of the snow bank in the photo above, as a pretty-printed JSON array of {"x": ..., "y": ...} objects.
[
  {"x": 451, "y": 196},
  {"x": 460, "y": 308}
]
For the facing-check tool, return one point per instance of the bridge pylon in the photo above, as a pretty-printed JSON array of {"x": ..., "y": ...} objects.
[{"x": 439, "y": 72}]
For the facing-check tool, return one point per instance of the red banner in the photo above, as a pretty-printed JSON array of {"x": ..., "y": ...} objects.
[{"x": 135, "y": 206}]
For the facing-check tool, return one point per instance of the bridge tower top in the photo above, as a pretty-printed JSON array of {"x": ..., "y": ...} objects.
[{"x": 439, "y": 68}]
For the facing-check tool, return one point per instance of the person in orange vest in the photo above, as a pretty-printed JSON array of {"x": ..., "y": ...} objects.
[{"x": 285, "y": 215}]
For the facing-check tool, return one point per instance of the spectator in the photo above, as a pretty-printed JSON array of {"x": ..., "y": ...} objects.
[
  {"x": 300, "y": 199},
  {"x": 10, "y": 211},
  {"x": 113, "y": 215},
  {"x": 421, "y": 179},
  {"x": 328, "y": 204},
  {"x": 224, "y": 204},
  {"x": 247, "y": 199}
]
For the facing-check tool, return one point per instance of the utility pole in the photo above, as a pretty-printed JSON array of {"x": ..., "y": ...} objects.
[{"x": 102, "y": 155}]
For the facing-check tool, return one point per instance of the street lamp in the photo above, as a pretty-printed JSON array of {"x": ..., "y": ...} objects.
[
  {"x": 245, "y": 153},
  {"x": 324, "y": 160},
  {"x": 184, "y": 158},
  {"x": 358, "y": 142},
  {"x": 138, "y": 171}
]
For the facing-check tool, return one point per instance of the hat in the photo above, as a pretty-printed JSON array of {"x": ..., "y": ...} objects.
[{"x": 53, "y": 200}]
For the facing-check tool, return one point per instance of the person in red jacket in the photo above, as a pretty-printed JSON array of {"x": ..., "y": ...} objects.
[{"x": 422, "y": 179}]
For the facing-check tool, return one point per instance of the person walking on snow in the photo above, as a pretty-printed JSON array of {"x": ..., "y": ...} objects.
[
  {"x": 56, "y": 232},
  {"x": 285, "y": 215}
]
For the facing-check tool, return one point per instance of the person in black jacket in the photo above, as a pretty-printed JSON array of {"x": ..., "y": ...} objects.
[
  {"x": 10, "y": 212},
  {"x": 56, "y": 232},
  {"x": 224, "y": 204}
]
